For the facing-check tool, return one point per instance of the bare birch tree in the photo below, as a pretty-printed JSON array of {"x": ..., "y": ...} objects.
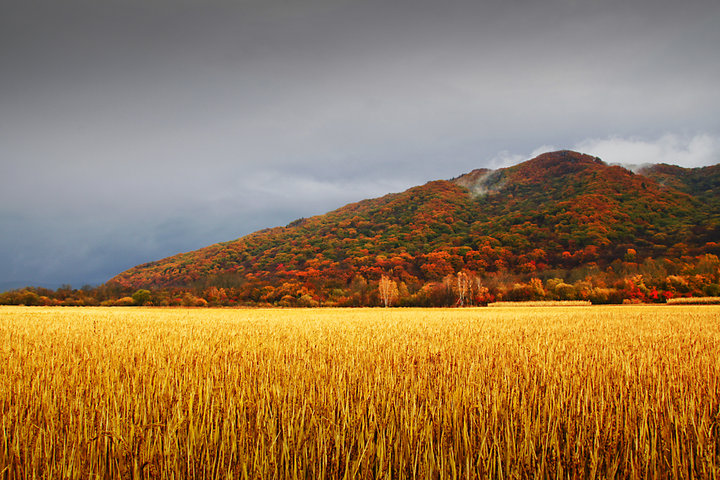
[
  {"x": 388, "y": 290},
  {"x": 463, "y": 285}
]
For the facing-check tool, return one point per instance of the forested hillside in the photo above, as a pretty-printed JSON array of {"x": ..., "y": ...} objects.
[
  {"x": 562, "y": 215},
  {"x": 560, "y": 226}
]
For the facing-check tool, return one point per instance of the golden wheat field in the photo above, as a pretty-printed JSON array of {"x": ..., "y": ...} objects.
[{"x": 567, "y": 392}]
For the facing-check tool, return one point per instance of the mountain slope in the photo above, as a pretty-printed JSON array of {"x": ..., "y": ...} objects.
[
  {"x": 567, "y": 201},
  {"x": 558, "y": 210},
  {"x": 703, "y": 184}
]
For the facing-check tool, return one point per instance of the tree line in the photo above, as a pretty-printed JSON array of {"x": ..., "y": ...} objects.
[{"x": 628, "y": 280}]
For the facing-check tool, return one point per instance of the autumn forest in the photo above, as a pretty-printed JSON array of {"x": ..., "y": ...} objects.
[{"x": 562, "y": 226}]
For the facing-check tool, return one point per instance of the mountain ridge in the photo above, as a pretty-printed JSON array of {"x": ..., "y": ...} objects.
[{"x": 559, "y": 210}]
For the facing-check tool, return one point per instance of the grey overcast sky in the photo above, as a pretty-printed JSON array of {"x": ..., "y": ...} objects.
[{"x": 133, "y": 130}]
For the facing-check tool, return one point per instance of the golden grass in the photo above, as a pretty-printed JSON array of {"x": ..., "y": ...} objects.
[
  {"x": 694, "y": 301},
  {"x": 543, "y": 303},
  {"x": 623, "y": 392}
]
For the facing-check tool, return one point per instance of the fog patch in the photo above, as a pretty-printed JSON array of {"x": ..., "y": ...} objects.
[{"x": 635, "y": 153}]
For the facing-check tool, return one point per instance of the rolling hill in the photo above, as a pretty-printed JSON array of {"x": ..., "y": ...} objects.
[{"x": 560, "y": 211}]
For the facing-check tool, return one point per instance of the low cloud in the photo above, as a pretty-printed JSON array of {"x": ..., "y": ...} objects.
[
  {"x": 505, "y": 159},
  {"x": 687, "y": 151},
  {"x": 683, "y": 150}
]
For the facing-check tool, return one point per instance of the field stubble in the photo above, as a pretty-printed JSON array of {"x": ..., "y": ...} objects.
[{"x": 584, "y": 392}]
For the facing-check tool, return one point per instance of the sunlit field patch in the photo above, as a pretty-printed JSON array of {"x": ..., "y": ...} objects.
[
  {"x": 584, "y": 392},
  {"x": 694, "y": 301},
  {"x": 551, "y": 303}
]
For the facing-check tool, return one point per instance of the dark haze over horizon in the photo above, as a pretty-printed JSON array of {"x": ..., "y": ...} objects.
[{"x": 134, "y": 130}]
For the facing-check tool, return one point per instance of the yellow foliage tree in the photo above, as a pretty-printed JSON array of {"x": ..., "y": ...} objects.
[{"x": 388, "y": 290}]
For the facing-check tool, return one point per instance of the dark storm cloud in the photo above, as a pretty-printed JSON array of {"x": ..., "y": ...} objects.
[{"x": 133, "y": 130}]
